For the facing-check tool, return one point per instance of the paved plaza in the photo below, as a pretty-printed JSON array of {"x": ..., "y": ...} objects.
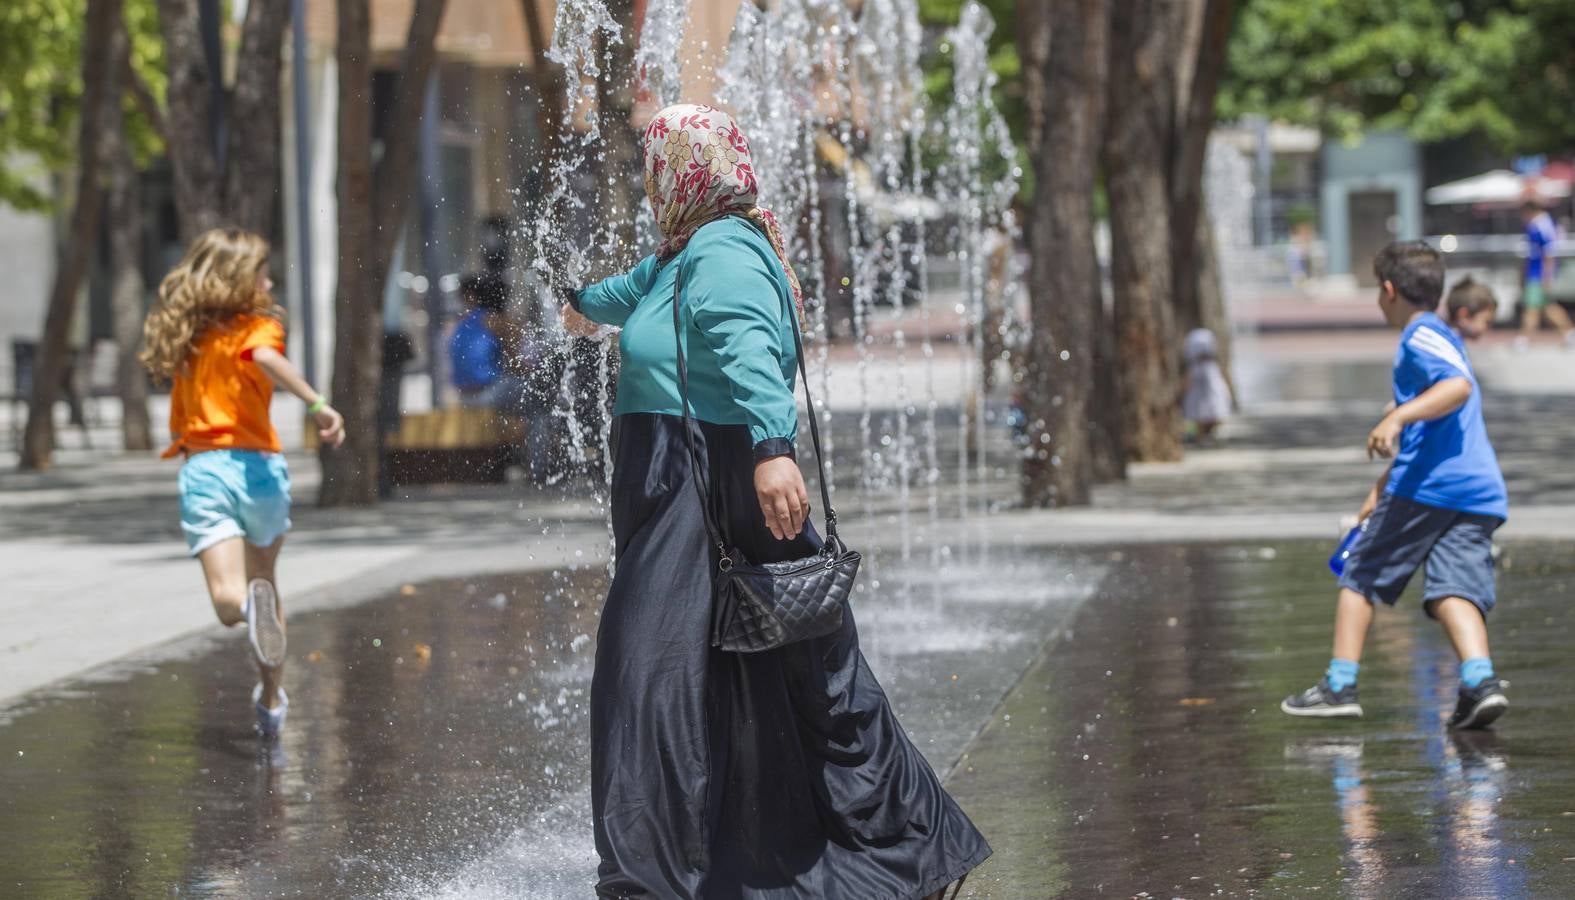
[{"x": 1098, "y": 686}]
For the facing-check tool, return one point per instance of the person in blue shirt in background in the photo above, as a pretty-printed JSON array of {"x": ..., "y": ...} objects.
[
  {"x": 1537, "y": 277},
  {"x": 1438, "y": 503},
  {"x": 497, "y": 364}
]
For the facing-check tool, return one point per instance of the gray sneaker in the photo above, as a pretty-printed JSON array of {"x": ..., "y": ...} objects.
[
  {"x": 263, "y": 624},
  {"x": 1322, "y": 701},
  {"x": 270, "y": 721}
]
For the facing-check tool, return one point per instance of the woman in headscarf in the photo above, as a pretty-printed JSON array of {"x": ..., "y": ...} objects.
[{"x": 766, "y": 776}]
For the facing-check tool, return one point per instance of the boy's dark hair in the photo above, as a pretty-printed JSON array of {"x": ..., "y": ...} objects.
[
  {"x": 1531, "y": 206},
  {"x": 486, "y": 291},
  {"x": 1415, "y": 269},
  {"x": 1470, "y": 296}
]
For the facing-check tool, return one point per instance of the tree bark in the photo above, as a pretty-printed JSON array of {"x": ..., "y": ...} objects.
[
  {"x": 245, "y": 192},
  {"x": 127, "y": 300},
  {"x": 199, "y": 204},
  {"x": 350, "y": 472},
  {"x": 1201, "y": 64},
  {"x": 251, "y": 185},
  {"x": 100, "y": 90},
  {"x": 1209, "y": 293},
  {"x": 1136, "y": 156},
  {"x": 1106, "y": 440},
  {"x": 371, "y": 219},
  {"x": 1068, "y": 74},
  {"x": 125, "y": 259},
  {"x": 622, "y": 167}
]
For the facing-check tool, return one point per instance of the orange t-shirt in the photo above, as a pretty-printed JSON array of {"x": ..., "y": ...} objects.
[{"x": 221, "y": 401}]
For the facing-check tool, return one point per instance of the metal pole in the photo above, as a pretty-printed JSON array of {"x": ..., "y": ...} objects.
[
  {"x": 427, "y": 151},
  {"x": 1263, "y": 205},
  {"x": 303, "y": 185}
]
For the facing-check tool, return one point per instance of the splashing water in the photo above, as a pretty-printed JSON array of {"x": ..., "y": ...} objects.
[
  {"x": 973, "y": 127},
  {"x": 657, "y": 59}
]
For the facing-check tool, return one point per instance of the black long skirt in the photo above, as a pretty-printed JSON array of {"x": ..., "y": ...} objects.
[{"x": 766, "y": 776}]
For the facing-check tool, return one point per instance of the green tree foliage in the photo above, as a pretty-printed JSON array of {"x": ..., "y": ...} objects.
[
  {"x": 939, "y": 15},
  {"x": 41, "y": 90},
  {"x": 1503, "y": 70}
]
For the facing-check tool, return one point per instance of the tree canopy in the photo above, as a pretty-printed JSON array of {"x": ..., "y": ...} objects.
[
  {"x": 41, "y": 89},
  {"x": 1502, "y": 70}
]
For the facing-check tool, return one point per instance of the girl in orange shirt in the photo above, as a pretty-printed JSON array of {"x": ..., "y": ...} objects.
[{"x": 215, "y": 333}]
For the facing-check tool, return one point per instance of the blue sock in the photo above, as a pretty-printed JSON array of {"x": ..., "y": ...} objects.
[
  {"x": 1341, "y": 674},
  {"x": 1475, "y": 670}
]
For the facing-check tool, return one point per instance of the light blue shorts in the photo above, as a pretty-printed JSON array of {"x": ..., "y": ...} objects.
[{"x": 234, "y": 493}]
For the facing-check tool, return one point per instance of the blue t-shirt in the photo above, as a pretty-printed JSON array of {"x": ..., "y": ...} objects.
[
  {"x": 1447, "y": 462},
  {"x": 475, "y": 352},
  {"x": 1540, "y": 235}
]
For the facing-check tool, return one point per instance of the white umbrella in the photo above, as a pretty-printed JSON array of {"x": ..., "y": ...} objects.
[{"x": 1497, "y": 186}]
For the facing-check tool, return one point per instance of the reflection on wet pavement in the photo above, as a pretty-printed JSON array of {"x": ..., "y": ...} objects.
[
  {"x": 1144, "y": 754},
  {"x": 437, "y": 741}
]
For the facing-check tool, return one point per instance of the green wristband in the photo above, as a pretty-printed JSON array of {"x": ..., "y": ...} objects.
[{"x": 316, "y": 406}]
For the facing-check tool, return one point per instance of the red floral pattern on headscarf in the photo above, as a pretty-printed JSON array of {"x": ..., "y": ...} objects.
[{"x": 697, "y": 170}]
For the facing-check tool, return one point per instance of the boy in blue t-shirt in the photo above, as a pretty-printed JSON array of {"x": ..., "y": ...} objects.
[
  {"x": 1537, "y": 276},
  {"x": 1439, "y": 501}
]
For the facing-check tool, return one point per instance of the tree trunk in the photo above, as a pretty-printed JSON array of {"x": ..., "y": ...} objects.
[
  {"x": 199, "y": 204},
  {"x": 245, "y": 192},
  {"x": 1136, "y": 165},
  {"x": 622, "y": 167},
  {"x": 100, "y": 90},
  {"x": 1209, "y": 292},
  {"x": 127, "y": 301},
  {"x": 251, "y": 177},
  {"x": 125, "y": 263},
  {"x": 1069, "y": 76},
  {"x": 1106, "y": 440},
  {"x": 1201, "y": 63},
  {"x": 371, "y": 219},
  {"x": 350, "y": 472}
]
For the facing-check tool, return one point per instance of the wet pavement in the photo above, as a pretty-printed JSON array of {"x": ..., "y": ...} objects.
[
  {"x": 1144, "y": 754},
  {"x": 437, "y": 739},
  {"x": 437, "y": 742}
]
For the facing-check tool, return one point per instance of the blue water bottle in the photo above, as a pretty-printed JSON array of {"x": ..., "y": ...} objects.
[{"x": 1343, "y": 552}]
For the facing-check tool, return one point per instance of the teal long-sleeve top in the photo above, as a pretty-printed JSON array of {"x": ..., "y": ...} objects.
[{"x": 738, "y": 335}]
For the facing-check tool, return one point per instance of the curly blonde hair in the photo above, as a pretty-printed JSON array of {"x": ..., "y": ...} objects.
[{"x": 216, "y": 281}]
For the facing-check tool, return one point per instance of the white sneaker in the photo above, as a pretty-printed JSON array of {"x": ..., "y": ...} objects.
[
  {"x": 270, "y": 721},
  {"x": 263, "y": 625}
]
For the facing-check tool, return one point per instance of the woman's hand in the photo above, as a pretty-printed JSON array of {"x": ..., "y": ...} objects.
[
  {"x": 576, "y": 324},
  {"x": 783, "y": 500},
  {"x": 330, "y": 426}
]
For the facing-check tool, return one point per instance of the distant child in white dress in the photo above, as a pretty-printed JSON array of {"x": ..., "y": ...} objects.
[{"x": 1207, "y": 397}]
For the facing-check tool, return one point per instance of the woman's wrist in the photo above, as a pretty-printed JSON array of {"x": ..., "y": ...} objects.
[
  {"x": 771, "y": 448},
  {"x": 317, "y": 406}
]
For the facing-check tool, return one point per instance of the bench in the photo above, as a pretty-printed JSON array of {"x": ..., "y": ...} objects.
[
  {"x": 453, "y": 445},
  {"x": 456, "y": 445}
]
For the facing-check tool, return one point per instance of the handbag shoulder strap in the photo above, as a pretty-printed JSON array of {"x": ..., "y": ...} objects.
[{"x": 701, "y": 486}]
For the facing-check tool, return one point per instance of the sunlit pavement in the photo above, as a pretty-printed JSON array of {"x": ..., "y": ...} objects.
[{"x": 442, "y": 650}]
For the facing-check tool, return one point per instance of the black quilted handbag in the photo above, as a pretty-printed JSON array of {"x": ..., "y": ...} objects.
[{"x": 762, "y": 607}]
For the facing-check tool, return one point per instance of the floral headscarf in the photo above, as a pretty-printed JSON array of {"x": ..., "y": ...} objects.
[{"x": 697, "y": 170}]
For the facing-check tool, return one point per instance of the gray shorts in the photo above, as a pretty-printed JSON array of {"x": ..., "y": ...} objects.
[{"x": 1402, "y": 534}]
